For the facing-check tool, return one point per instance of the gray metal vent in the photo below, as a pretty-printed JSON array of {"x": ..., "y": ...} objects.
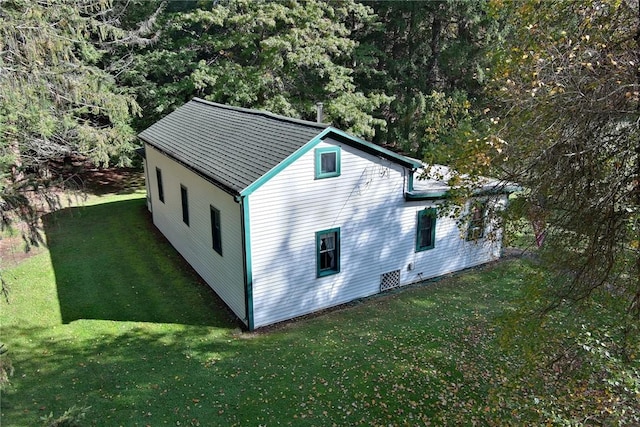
[{"x": 389, "y": 280}]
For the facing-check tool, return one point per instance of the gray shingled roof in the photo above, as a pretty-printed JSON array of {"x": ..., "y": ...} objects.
[{"x": 232, "y": 146}]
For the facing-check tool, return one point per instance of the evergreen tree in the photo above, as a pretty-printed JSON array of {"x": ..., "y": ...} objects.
[
  {"x": 283, "y": 57},
  {"x": 431, "y": 59},
  {"x": 55, "y": 100}
]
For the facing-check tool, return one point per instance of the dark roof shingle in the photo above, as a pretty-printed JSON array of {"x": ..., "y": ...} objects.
[{"x": 232, "y": 146}]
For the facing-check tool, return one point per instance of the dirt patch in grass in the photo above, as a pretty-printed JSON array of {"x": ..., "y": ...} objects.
[
  {"x": 111, "y": 181},
  {"x": 14, "y": 250}
]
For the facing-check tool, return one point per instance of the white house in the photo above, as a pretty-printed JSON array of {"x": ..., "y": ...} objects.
[{"x": 284, "y": 217}]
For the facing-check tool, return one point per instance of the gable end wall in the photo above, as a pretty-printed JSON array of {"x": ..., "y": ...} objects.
[{"x": 377, "y": 230}]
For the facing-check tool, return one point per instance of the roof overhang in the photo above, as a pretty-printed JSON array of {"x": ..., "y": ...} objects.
[
  {"x": 442, "y": 194},
  {"x": 198, "y": 172},
  {"x": 371, "y": 148},
  {"x": 141, "y": 152}
]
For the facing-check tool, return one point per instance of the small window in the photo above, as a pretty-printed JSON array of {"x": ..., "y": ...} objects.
[
  {"x": 475, "y": 230},
  {"x": 328, "y": 252},
  {"x": 216, "y": 235},
  {"x": 185, "y": 204},
  {"x": 327, "y": 162},
  {"x": 426, "y": 233},
  {"x": 160, "y": 187}
]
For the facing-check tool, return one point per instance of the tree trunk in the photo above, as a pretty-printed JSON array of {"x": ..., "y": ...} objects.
[
  {"x": 432, "y": 64},
  {"x": 17, "y": 174}
]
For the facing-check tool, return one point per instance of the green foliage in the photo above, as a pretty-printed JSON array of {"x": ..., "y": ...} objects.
[
  {"x": 430, "y": 57},
  {"x": 570, "y": 101},
  {"x": 55, "y": 101},
  {"x": 72, "y": 417},
  {"x": 6, "y": 368},
  {"x": 564, "y": 114},
  {"x": 572, "y": 367},
  {"x": 415, "y": 67},
  {"x": 280, "y": 56}
]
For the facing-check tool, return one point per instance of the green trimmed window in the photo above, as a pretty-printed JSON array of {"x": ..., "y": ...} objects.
[
  {"x": 328, "y": 252},
  {"x": 160, "y": 187},
  {"x": 327, "y": 162},
  {"x": 426, "y": 234},
  {"x": 216, "y": 235},
  {"x": 475, "y": 230},
  {"x": 184, "y": 196}
]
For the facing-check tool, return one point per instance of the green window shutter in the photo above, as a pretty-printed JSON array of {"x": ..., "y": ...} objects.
[
  {"x": 160, "y": 186},
  {"x": 185, "y": 204},
  {"x": 216, "y": 235},
  {"x": 328, "y": 252},
  {"x": 327, "y": 162},
  {"x": 426, "y": 229}
]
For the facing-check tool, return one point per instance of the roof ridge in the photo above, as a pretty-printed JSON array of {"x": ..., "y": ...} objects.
[{"x": 263, "y": 113}]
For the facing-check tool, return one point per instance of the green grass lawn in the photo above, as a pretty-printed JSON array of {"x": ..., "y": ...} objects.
[{"x": 111, "y": 318}]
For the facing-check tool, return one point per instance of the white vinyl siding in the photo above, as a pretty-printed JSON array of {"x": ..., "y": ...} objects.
[
  {"x": 195, "y": 241},
  {"x": 452, "y": 251},
  {"x": 377, "y": 235}
]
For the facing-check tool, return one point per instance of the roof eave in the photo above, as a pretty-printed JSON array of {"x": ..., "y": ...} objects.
[
  {"x": 204, "y": 175},
  {"x": 411, "y": 196},
  {"x": 141, "y": 152},
  {"x": 374, "y": 149}
]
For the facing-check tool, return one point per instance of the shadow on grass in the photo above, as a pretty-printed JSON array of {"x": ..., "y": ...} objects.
[{"x": 111, "y": 263}]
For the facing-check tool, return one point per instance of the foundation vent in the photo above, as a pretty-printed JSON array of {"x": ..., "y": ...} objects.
[{"x": 389, "y": 280}]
